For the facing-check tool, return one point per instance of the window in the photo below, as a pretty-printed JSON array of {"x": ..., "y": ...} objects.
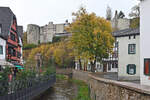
[
  {"x": 134, "y": 37},
  {"x": 147, "y": 67},
  {"x": 1, "y": 49},
  {"x": 131, "y": 49},
  {"x": 131, "y": 69},
  {"x": 0, "y": 68},
  {"x": 14, "y": 52},
  {"x": 0, "y": 28},
  {"x": 116, "y": 44},
  {"x": 12, "y": 36},
  {"x": 11, "y": 51},
  {"x": 113, "y": 65},
  {"x": 129, "y": 37},
  {"x": 18, "y": 54},
  {"x": 109, "y": 66},
  {"x": 116, "y": 65}
]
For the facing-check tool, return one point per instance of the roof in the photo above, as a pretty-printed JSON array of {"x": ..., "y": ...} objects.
[
  {"x": 126, "y": 32},
  {"x": 20, "y": 31},
  {"x": 6, "y": 17}
]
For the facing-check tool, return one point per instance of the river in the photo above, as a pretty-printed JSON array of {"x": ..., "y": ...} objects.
[{"x": 62, "y": 90}]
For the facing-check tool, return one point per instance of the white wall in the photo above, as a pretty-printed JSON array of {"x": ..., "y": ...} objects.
[
  {"x": 3, "y": 43},
  {"x": 145, "y": 38},
  {"x": 124, "y": 58},
  {"x": 99, "y": 67},
  {"x": 112, "y": 69}
]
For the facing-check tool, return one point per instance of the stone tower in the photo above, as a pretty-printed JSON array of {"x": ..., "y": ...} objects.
[
  {"x": 44, "y": 34},
  {"x": 33, "y": 34},
  {"x": 47, "y": 33}
]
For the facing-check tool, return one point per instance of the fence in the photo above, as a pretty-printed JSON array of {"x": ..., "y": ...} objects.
[{"x": 25, "y": 89}]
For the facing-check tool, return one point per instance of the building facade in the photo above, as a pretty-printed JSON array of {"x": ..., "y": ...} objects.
[
  {"x": 145, "y": 42},
  {"x": 111, "y": 63},
  {"x": 2, "y": 49},
  {"x": 128, "y": 54},
  {"x": 12, "y": 33}
]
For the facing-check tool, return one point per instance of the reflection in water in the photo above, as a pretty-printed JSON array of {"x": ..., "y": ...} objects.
[{"x": 62, "y": 90}]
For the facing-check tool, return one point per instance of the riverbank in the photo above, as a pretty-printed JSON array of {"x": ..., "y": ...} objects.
[
  {"x": 83, "y": 92},
  {"x": 66, "y": 89}
]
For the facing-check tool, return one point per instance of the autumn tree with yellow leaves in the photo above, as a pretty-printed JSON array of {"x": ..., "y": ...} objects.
[
  {"x": 59, "y": 52},
  {"x": 91, "y": 37}
]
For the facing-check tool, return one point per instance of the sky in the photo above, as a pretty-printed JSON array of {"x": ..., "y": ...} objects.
[{"x": 41, "y": 12}]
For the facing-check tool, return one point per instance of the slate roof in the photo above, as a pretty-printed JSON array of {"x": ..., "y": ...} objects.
[
  {"x": 126, "y": 32},
  {"x": 20, "y": 31},
  {"x": 6, "y": 18}
]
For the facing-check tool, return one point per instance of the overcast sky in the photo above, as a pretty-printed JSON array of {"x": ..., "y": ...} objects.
[{"x": 43, "y": 11}]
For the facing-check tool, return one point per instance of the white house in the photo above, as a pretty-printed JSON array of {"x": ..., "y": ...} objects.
[
  {"x": 111, "y": 63},
  {"x": 145, "y": 42},
  {"x": 128, "y": 54},
  {"x": 2, "y": 51}
]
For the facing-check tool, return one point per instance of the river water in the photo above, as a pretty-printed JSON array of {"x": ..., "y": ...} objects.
[{"x": 62, "y": 90}]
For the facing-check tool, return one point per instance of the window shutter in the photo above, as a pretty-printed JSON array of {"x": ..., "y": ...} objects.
[
  {"x": 128, "y": 69},
  {"x": 147, "y": 67}
]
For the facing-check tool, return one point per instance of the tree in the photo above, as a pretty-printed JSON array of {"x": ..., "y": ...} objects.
[
  {"x": 135, "y": 23},
  {"x": 108, "y": 13},
  {"x": 91, "y": 37},
  {"x": 135, "y": 15},
  {"x": 62, "y": 55},
  {"x": 135, "y": 12},
  {"x": 121, "y": 15}
]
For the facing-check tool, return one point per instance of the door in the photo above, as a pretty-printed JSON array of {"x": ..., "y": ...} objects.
[{"x": 105, "y": 67}]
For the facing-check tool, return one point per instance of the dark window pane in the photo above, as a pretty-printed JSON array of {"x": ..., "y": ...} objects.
[
  {"x": 131, "y": 48},
  {"x": 0, "y": 28},
  {"x": 12, "y": 36},
  {"x": 1, "y": 49},
  {"x": 109, "y": 66},
  {"x": 131, "y": 69}
]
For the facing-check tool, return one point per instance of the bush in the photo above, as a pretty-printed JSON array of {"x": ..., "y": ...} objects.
[
  {"x": 25, "y": 74},
  {"x": 58, "y": 38},
  {"x": 29, "y": 46}
]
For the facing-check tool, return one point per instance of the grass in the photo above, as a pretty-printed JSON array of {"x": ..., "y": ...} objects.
[
  {"x": 83, "y": 90},
  {"x": 61, "y": 77}
]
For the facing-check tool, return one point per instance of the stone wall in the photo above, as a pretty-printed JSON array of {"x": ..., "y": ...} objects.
[
  {"x": 120, "y": 24},
  {"x": 33, "y": 34},
  {"x": 81, "y": 75},
  {"x": 44, "y": 34},
  {"x": 104, "y": 89}
]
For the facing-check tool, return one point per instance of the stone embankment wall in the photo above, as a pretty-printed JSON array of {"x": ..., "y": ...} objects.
[
  {"x": 106, "y": 89},
  {"x": 81, "y": 75}
]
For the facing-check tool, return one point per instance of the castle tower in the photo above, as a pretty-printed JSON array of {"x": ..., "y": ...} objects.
[{"x": 33, "y": 34}]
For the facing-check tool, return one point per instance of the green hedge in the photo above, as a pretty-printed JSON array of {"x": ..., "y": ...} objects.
[{"x": 29, "y": 46}]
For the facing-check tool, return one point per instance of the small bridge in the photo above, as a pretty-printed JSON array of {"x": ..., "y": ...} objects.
[{"x": 65, "y": 71}]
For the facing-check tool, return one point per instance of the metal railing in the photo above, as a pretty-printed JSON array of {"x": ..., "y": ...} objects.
[{"x": 25, "y": 89}]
